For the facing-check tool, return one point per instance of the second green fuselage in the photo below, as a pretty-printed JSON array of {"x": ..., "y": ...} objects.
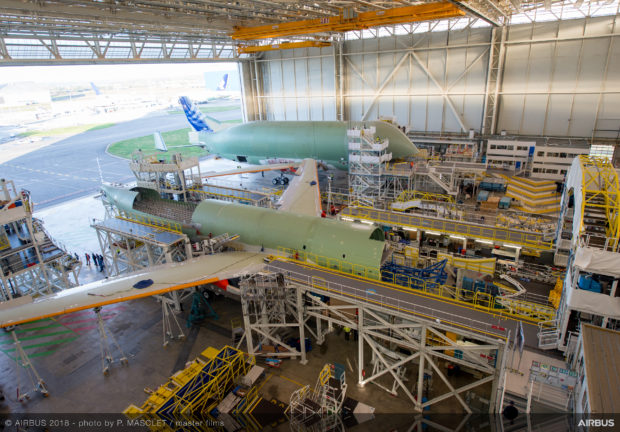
[
  {"x": 260, "y": 228},
  {"x": 271, "y": 142}
]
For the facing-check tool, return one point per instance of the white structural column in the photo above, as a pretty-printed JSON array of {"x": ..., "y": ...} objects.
[
  {"x": 339, "y": 80},
  {"x": 494, "y": 79},
  {"x": 604, "y": 84}
]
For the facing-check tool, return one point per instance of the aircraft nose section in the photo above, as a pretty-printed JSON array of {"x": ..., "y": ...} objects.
[
  {"x": 400, "y": 145},
  {"x": 121, "y": 198},
  {"x": 105, "y": 192}
]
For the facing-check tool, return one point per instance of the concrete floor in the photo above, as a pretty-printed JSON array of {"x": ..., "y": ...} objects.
[{"x": 66, "y": 353}]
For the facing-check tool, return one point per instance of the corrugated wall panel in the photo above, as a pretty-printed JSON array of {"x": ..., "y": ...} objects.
[
  {"x": 298, "y": 84},
  {"x": 417, "y": 79},
  {"x": 564, "y": 81},
  {"x": 553, "y": 80}
]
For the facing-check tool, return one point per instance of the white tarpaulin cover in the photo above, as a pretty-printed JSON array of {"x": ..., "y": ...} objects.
[
  {"x": 594, "y": 303},
  {"x": 597, "y": 261}
]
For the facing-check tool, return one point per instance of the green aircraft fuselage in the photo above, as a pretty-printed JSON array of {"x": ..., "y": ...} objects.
[
  {"x": 270, "y": 142},
  {"x": 262, "y": 228}
]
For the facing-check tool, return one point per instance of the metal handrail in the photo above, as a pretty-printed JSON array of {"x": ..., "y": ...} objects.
[
  {"x": 149, "y": 221},
  {"x": 388, "y": 302},
  {"x": 483, "y": 301}
]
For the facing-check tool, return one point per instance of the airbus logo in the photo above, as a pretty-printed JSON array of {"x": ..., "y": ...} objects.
[{"x": 596, "y": 422}]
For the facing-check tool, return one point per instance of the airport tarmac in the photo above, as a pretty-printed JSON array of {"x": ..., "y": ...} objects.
[{"x": 69, "y": 168}]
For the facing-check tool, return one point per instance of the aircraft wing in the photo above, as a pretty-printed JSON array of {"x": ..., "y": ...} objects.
[
  {"x": 252, "y": 169},
  {"x": 302, "y": 196},
  {"x": 165, "y": 278}
]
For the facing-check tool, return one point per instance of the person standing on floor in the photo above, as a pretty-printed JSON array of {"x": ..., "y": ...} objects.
[{"x": 87, "y": 259}]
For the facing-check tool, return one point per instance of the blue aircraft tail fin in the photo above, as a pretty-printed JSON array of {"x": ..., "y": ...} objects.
[
  {"x": 95, "y": 88},
  {"x": 195, "y": 117},
  {"x": 223, "y": 83}
]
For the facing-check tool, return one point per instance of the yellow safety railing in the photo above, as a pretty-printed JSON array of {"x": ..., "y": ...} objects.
[
  {"x": 542, "y": 210},
  {"x": 534, "y": 198},
  {"x": 600, "y": 179},
  {"x": 530, "y": 185},
  {"x": 447, "y": 227},
  {"x": 409, "y": 195},
  {"x": 150, "y": 221},
  {"x": 528, "y": 181},
  {"x": 325, "y": 374},
  {"x": 246, "y": 405},
  {"x": 329, "y": 263},
  {"x": 479, "y": 300}
]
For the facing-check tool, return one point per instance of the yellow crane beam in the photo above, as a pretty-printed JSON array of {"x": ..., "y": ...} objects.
[
  {"x": 348, "y": 21},
  {"x": 285, "y": 45}
]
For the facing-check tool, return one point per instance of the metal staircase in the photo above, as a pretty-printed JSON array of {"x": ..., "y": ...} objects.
[
  {"x": 319, "y": 408},
  {"x": 368, "y": 158},
  {"x": 433, "y": 175},
  {"x": 594, "y": 219}
]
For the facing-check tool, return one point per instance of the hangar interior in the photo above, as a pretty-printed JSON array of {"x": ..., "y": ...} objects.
[{"x": 447, "y": 204}]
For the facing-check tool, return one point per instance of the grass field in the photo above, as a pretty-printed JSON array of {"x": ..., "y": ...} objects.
[
  {"x": 179, "y": 137},
  {"x": 71, "y": 130},
  {"x": 125, "y": 148}
]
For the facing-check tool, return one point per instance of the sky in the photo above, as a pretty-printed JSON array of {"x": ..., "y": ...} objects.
[{"x": 106, "y": 73}]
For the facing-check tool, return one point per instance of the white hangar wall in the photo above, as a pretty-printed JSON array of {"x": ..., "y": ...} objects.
[{"x": 559, "y": 78}]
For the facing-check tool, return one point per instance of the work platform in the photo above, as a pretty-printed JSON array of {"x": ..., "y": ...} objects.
[
  {"x": 398, "y": 350},
  {"x": 234, "y": 194},
  {"x": 149, "y": 233},
  {"x": 531, "y": 240},
  {"x": 131, "y": 245},
  {"x": 31, "y": 262},
  {"x": 325, "y": 282}
]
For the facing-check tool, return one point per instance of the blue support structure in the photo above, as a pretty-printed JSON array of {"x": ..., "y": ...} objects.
[
  {"x": 201, "y": 309},
  {"x": 414, "y": 277}
]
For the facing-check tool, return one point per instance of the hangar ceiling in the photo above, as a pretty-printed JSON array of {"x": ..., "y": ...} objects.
[{"x": 83, "y": 31}]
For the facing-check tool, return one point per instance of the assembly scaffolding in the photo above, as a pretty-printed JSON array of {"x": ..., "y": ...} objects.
[
  {"x": 272, "y": 315},
  {"x": 319, "y": 408},
  {"x": 172, "y": 178},
  {"x": 31, "y": 262},
  {"x": 588, "y": 241},
  {"x": 407, "y": 352},
  {"x": 368, "y": 159},
  {"x": 128, "y": 244},
  {"x": 196, "y": 390}
]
